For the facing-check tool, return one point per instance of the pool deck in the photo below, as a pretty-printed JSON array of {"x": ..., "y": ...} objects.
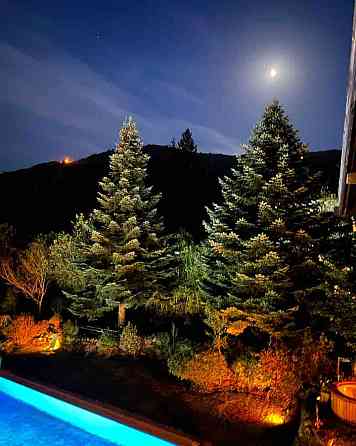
[{"x": 135, "y": 421}]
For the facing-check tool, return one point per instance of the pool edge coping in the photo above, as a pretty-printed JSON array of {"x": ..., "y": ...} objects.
[{"x": 110, "y": 411}]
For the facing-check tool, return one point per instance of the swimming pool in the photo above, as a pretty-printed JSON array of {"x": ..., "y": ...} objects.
[{"x": 29, "y": 415}]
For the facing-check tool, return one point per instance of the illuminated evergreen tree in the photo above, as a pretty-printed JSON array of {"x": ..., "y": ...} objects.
[
  {"x": 124, "y": 258},
  {"x": 268, "y": 238}
]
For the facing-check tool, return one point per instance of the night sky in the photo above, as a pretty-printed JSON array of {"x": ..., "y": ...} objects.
[{"x": 70, "y": 71}]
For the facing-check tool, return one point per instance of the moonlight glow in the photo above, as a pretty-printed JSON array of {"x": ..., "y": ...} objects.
[{"x": 273, "y": 73}]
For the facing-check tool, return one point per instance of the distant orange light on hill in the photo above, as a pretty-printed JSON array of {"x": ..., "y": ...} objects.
[{"x": 67, "y": 160}]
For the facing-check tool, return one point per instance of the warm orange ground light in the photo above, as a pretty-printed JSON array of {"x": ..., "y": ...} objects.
[
  {"x": 274, "y": 418},
  {"x": 57, "y": 345}
]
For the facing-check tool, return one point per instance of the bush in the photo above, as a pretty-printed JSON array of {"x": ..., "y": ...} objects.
[
  {"x": 130, "y": 341},
  {"x": 275, "y": 375},
  {"x": 244, "y": 368},
  {"x": 163, "y": 343},
  {"x": 271, "y": 374},
  {"x": 107, "y": 344},
  {"x": 25, "y": 333},
  {"x": 70, "y": 333},
  {"x": 279, "y": 373},
  {"x": 55, "y": 332},
  {"x": 314, "y": 357},
  {"x": 209, "y": 372},
  {"x": 8, "y": 302},
  {"x": 5, "y": 320},
  {"x": 177, "y": 359},
  {"x": 56, "y": 322},
  {"x": 167, "y": 342}
]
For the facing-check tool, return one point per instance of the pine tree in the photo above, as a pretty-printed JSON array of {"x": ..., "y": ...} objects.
[
  {"x": 124, "y": 258},
  {"x": 75, "y": 270},
  {"x": 173, "y": 143},
  {"x": 266, "y": 238},
  {"x": 186, "y": 142}
]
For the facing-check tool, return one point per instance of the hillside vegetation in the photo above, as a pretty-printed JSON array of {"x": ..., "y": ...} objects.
[{"x": 46, "y": 197}]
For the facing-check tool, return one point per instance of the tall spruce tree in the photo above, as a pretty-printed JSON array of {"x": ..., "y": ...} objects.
[
  {"x": 268, "y": 238},
  {"x": 125, "y": 254}
]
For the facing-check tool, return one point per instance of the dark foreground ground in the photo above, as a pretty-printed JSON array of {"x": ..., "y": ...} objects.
[{"x": 141, "y": 387}]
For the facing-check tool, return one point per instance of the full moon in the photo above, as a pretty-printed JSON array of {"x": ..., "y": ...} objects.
[{"x": 273, "y": 73}]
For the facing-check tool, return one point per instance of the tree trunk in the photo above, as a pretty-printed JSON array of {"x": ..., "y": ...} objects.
[{"x": 122, "y": 315}]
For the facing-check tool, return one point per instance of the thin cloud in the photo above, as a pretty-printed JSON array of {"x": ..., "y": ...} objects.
[
  {"x": 59, "y": 88},
  {"x": 177, "y": 91},
  {"x": 54, "y": 86}
]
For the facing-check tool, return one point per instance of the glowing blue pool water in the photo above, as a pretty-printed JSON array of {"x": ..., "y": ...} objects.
[{"x": 28, "y": 416}]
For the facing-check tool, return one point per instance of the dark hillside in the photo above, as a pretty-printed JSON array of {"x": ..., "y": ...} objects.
[{"x": 46, "y": 197}]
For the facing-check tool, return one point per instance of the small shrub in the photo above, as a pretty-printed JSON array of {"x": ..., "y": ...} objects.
[
  {"x": 8, "y": 302},
  {"x": 130, "y": 341},
  {"x": 313, "y": 354},
  {"x": 167, "y": 342},
  {"x": 25, "y": 332},
  {"x": 209, "y": 372},
  {"x": 217, "y": 323},
  {"x": 244, "y": 368},
  {"x": 276, "y": 375},
  {"x": 162, "y": 343},
  {"x": 5, "y": 320},
  {"x": 56, "y": 322},
  {"x": 279, "y": 373},
  {"x": 55, "y": 332},
  {"x": 177, "y": 360},
  {"x": 107, "y": 344},
  {"x": 271, "y": 374},
  {"x": 70, "y": 333}
]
